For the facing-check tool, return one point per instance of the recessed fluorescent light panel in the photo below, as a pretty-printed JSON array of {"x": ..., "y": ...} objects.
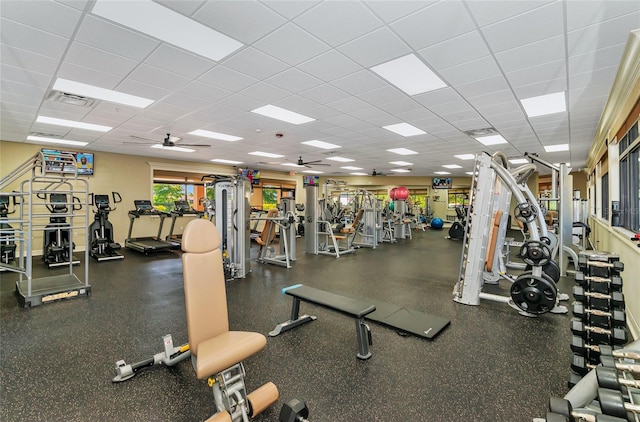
[
  {"x": 215, "y": 135},
  {"x": 545, "y": 104},
  {"x": 223, "y": 161},
  {"x": 313, "y": 171},
  {"x": 519, "y": 161},
  {"x": 491, "y": 140},
  {"x": 351, "y": 168},
  {"x": 266, "y": 154},
  {"x": 56, "y": 141},
  {"x": 164, "y": 24},
  {"x": 177, "y": 149},
  {"x": 404, "y": 129},
  {"x": 282, "y": 114},
  {"x": 359, "y": 174},
  {"x": 320, "y": 144},
  {"x": 409, "y": 74},
  {"x": 451, "y": 166},
  {"x": 401, "y": 170},
  {"x": 85, "y": 90},
  {"x": 569, "y": 164},
  {"x": 402, "y": 151},
  {"x": 470, "y": 173},
  {"x": 72, "y": 123},
  {"x": 465, "y": 156},
  {"x": 400, "y": 163},
  {"x": 341, "y": 159},
  {"x": 556, "y": 148},
  {"x": 441, "y": 172}
]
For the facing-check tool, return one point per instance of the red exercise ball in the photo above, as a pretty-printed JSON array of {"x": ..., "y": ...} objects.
[
  {"x": 402, "y": 193},
  {"x": 392, "y": 194}
]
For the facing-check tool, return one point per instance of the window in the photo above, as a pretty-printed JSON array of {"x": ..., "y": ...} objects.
[
  {"x": 269, "y": 198},
  {"x": 458, "y": 199},
  {"x": 165, "y": 195},
  {"x": 630, "y": 180},
  {"x": 604, "y": 206}
]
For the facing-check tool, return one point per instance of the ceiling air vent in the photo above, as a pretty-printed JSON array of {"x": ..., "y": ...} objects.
[
  {"x": 487, "y": 131},
  {"x": 72, "y": 99},
  {"x": 45, "y": 135}
]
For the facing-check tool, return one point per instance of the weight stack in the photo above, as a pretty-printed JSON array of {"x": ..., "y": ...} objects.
[{"x": 598, "y": 310}]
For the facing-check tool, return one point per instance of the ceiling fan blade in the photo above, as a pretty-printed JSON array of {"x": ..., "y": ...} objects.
[
  {"x": 139, "y": 143},
  {"x": 193, "y": 145},
  {"x": 320, "y": 164}
]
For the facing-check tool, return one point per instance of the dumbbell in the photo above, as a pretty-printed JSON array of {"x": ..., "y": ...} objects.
[
  {"x": 599, "y": 284},
  {"x": 617, "y": 266},
  {"x": 563, "y": 407},
  {"x": 612, "y": 403},
  {"x": 581, "y": 347},
  {"x": 611, "y": 362},
  {"x": 597, "y": 300},
  {"x": 613, "y": 335},
  {"x": 294, "y": 411},
  {"x": 608, "y": 378},
  {"x": 599, "y": 317}
]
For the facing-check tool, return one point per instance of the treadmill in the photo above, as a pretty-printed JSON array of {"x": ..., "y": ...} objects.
[
  {"x": 149, "y": 244},
  {"x": 181, "y": 208}
]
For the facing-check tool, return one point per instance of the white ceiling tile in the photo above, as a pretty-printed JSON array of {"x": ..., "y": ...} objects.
[
  {"x": 179, "y": 61},
  {"x": 359, "y": 82},
  {"x": 541, "y": 88},
  {"x": 492, "y": 98},
  {"x": 598, "y": 76},
  {"x": 470, "y": 124},
  {"x": 294, "y": 80},
  {"x": 26, "y": 59},
  {"x": 597, "y": 59},
  {"x": 401, "y": 106},
  {"x": 443, "y": 95},
  {"x": 483, "y": 68},
  {"x": 349, "y": 104},
  {"x": 87, "y": 56},
  {"x": 538, "y": 73},
  {"x": 383, "y": 95},
  {"x": 296, "y": 102},
  {"x": 28, "y": 77},
  {"x": 538, "y": 24},
  {"x": 455, "y": 51},
  {"x": 485, "y": 86},
  {"x": 291, "y": 44},
  {"x": 49, "y": 16},
  {"x": 19, "y": 99},
  {"x": 201, "y": 90},
  {"x": 434, "y": 24},
  {"x": 241, "y": 102},
  {"x": 337, "y": 22},
  {"x": 215, "y": 113},
  {"x": 185, "y": 101},
  {"x": 324, "y": 94},
  {"x": 290, "y": 9},
  {"x": 376, "y": 47},
  {"x": 89, "y": 76},
  {"x": 588, "y": 13},
  {"x": 615, "y": 31},
  {"x": 547, "y": 50},
  {"x": 141, "y": 89},
  {"x": 486, "y": 12},
  {"x": 34, "y": 92},
  {"x": 391, "y": 10},
  {"x": 158, "y": 77},
  {"x": 115, "y": 39},
  {"x": 265, "y": 92},
  {"x": 185, "y": 7},
  {"x": 255, "y": 63},
  {"x": 322, "y": 112},
  {"x": 26, "y": 38},
  {"x": 250, "y": 20},
  {"x": 228, "y": 79},
  {"x": 329, "y": 66}
]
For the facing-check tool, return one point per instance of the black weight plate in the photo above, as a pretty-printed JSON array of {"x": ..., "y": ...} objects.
[
  {"x": 607, "y": 378},
  {"x": 533, "y": 294},
  {"x": 560, "y": 406},
  {"x": 612, "y": 403},
  {"x": 551, "y": 269}
]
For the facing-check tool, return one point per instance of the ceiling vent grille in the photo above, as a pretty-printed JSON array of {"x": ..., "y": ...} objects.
[
  {"x": 45, "y": 135},
  {"x": 71, "y": 99},
  {"x": 487, "y": 131}
]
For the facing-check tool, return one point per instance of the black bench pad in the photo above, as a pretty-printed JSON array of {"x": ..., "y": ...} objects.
[{"x": 357, "y": 308}]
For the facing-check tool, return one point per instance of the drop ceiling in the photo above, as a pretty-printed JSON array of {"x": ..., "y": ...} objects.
[{"x": 315, "y": 58}]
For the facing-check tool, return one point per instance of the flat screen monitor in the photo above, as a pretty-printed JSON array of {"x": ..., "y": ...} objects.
[
  {"x": 252, "y": 175},
  {"x": 56, "y": 164},
  {"x": 310, "y": 180},
  {"x": 442, "y": 182}
]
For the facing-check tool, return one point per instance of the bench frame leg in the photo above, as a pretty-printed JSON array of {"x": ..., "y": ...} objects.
[
  {"x": 294, "y": 320},
  {"x": 363, "y": 334}
]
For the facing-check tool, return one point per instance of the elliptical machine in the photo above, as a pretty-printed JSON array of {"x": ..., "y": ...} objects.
[
  {"x": 103, "y": 247},
  {"x": 7, "y": 244},
  {"x": 456, "y": 231},
  {"x": 57, "y": 241}
]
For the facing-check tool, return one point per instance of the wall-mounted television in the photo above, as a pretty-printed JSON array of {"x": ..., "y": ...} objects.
[
  {"x": 252, "y": 175},
  {"x": 310, "y": 180},
  {"x": 54, "y": 162},
  {"x": 442, "y": 182}
]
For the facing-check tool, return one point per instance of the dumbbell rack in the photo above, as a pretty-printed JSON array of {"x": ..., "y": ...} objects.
[{"x": 598, "y": 310}]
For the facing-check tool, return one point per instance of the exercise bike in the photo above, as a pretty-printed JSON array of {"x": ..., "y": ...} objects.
[
  {"x": 456, "y": 231},
  {"x": 57, "y": 241},
  {"x": 7, "y": 233},
  {"x": 103, "y": 247}
]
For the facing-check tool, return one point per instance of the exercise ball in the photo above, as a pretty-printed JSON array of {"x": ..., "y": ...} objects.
[
  {"x": 391, "y": 206},
  {"x": 402, "y": 193},
  {"x": 437, "y": 223},
  {"x": 392, "y": 194}
]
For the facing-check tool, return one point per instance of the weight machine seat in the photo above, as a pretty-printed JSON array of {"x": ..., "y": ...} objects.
[
  {"x": 494, "y": 238},
  {"x": 352, "y": 228},
  {"x": 213, "y": 346},
  {"x": 268, "y": 232}
]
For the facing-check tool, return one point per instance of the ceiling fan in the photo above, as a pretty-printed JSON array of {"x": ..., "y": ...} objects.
[
  {"x": 301, "y": 162},
  {"x": 168, "y": 142},
  {"x": 377, "y": 173}
]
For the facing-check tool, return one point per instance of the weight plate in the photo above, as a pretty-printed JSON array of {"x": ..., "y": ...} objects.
[
  {"x": 551, "y": 269},
  {"x": 525, "y": 212},
  {"x": 612, "y": 403},
  {"x": 535, "y": 253},
  {"x": 533, "y": 294}
]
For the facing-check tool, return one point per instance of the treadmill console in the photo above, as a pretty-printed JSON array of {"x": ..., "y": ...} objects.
[{"x": 144, "y": 207}]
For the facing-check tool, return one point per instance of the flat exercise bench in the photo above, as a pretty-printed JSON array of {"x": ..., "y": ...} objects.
[{"x": 355, "y": 308}]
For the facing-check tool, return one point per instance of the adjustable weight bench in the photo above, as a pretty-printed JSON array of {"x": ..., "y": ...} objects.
[{"x": 355, "y": 308}]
